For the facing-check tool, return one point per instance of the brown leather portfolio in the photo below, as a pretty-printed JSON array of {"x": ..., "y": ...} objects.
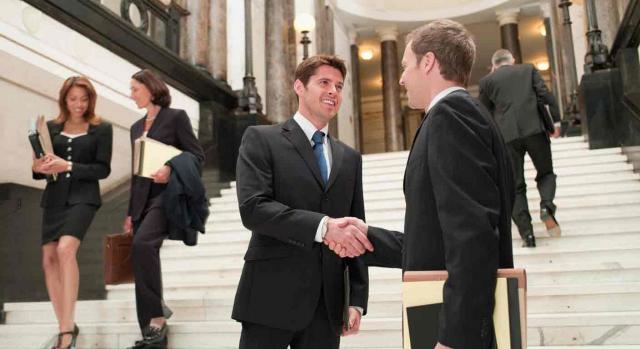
[
  {"x": 117, "y": 259},
  {"x": 422, "y": 299}
]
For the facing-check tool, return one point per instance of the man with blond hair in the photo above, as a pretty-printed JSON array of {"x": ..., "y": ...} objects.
[{"x": 458, "y": 188}]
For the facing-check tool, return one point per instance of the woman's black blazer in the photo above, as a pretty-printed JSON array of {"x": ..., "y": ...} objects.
[
  {"x": 91, "y": 157},
  {"x": 172, "y": 127}
]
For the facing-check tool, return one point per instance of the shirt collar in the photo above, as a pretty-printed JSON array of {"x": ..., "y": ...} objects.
[
  {"x": 307, "y": 127},
  {"x": 441, "y": 95}
]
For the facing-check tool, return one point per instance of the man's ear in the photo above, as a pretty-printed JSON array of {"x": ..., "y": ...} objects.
[
  {"x": 428, "y": 62},
  {"x": 298, "y": 86}
]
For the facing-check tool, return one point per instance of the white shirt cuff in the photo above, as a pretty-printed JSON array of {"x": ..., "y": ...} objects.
[
  {"x": 358, "y": 309},
  {"x": 319, "y": 230},
  {"x": 557, "y": 124}
]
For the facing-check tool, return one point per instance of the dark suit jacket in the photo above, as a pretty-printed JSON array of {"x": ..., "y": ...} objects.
[
  {"x": 458, "y": 189},
  {"x": 91, "y": 157},
  {"x": 511, "y": 94},
  {"x": 282, "y": 200},
  {"x": 172, "y": 127},
  {"x": 185, "y": 200}
]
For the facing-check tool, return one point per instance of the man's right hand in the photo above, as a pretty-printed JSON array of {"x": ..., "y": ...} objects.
[
  {"x": 127, "y": 227},
  {"x": 347, "y": 237}
]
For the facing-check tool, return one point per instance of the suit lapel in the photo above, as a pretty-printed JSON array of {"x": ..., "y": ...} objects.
[
  {"x": 337, "y": 152},
  {"x": 292, "y": 132},
  {"x": 415, "y": 136},
  {"x": 154, "y": 126}
]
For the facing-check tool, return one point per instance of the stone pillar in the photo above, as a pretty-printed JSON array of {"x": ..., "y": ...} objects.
[
  {"x": 508, "y": 20},
  {"x": 569, "y": 60},
  {"x": 393, "y": 123},
  {"x": 547, "y": 13},
  {"x": 218, "y": 39},
  {"x": 195, "y": 39},
  {"x": 622, "y": 7},
  {"x": 325, "y": 43},
  {"x": 357, "y": 92},
  {"x": 280, "y": 39}
]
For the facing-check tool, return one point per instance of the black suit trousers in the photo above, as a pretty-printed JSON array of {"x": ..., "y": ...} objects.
[
  {"x": 318, "y": 335},
  {"x": 149, "y": 234},
  {"x": 538, "y": 146}
]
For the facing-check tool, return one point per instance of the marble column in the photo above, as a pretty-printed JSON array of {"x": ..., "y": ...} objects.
[
  {"x": 280, "y": 39},
  {"x": 195, "y": 39},
  {"x": 357, "y": 91},
  {"x": 508, "y": 20},
  {"x": 325, "y": 42},
  {"x": 622, "y": 7},
  {"x": 608, "y": 20},
  {"x": 324, "y": 28},
  {"x": 569, "y": 60},
  {"x": 393, "y": 123},
  {"x": 547, "y": 14},
  {"x": 218, "y": 39}
]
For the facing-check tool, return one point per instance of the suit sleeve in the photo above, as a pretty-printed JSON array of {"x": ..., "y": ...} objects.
[
  {"x": 260, "y": 211},
  {"x": 131, "y": 186},
  {"x": 100, "y": 168},
  {"x": 186, "y": 138},
  {"x": 358, "y": 271},
  {"x": 543, "y": 94},
  {"x": 463, "y": 172}
]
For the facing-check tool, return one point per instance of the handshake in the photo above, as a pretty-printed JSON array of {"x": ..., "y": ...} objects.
[{"x": 347, "y": 237}]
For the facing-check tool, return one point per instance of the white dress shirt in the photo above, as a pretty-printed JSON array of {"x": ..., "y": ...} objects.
[{"x": 308, "y": 129}]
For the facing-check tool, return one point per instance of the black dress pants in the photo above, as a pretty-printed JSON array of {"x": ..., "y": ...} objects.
[
  {"x": 149, "y": 234},
  {"x": 319, "y": 334},
  {"x": 539, "y": 148}
]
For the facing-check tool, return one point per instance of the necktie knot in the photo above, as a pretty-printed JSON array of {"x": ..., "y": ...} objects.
[{"x": 318, "y": 137}]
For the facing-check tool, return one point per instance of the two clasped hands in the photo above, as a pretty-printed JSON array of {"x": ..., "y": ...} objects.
[{"x": 347, "y": 237}]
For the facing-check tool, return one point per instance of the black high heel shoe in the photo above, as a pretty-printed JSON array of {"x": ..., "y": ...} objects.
[{"x": 74, "y": 337}]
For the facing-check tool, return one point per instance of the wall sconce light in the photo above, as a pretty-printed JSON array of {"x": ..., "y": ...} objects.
[
  {"x": 366, "y": 54},
  {"x": 542, "y": 65},
  {"x": 542, "y": 30},
  {"x": 304, "y": 23}
]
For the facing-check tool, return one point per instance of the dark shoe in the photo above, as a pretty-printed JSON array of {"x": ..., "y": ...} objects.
[
  {"x": 529, "y": 241},
  {"x": 550, "y": 222},
  {"x": 154, "y": 338},
  {"x": 74, "y": 337}
]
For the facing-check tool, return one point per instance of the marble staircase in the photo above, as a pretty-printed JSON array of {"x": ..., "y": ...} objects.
[{"x": 584, "y": 287}]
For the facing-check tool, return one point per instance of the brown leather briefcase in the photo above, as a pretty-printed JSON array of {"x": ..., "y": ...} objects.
[{"x": 117, "y": 259}]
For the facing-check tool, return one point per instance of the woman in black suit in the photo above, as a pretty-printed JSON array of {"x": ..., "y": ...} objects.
[
  {"x": 82, "y": 156},
  {"x": 146, "y": 218}
]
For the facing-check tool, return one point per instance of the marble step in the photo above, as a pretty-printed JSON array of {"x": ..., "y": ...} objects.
[
  {"x": 561, "y": 158},
  {"x": 620, "y": 186},
  {"x": 572, "y": 297},
  {"x": 628, "y": 225},
  {"x": 383, "y": 205},
  {"x": 588, "y": 209},
  {"x": 371, "y": 184},
  {"x": 545, "y": 274},
  {"x": 620, "y": 248},
  {"x": 375, "y": 333},
  {"x": 587, "y": 158}
]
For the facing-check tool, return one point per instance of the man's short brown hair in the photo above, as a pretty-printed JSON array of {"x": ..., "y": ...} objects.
[
  {"x": 308, "y": 67},
  {"x": 451, "y": 44}
]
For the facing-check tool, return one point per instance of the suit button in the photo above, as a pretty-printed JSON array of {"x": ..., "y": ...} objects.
[
  {"x": 68, "y": 175},
  {"x": 69, "y": 141},
  {"x": 69, "y": 157},
  {"x": 68, "y": 148}
]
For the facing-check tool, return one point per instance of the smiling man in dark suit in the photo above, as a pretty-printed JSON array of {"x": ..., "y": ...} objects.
[
  {"x": 291, "y": 179},
  {"x": 458, "y": 188}
]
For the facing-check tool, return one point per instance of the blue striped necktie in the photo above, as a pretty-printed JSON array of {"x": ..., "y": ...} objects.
[{"x": 318, "y": 151}]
